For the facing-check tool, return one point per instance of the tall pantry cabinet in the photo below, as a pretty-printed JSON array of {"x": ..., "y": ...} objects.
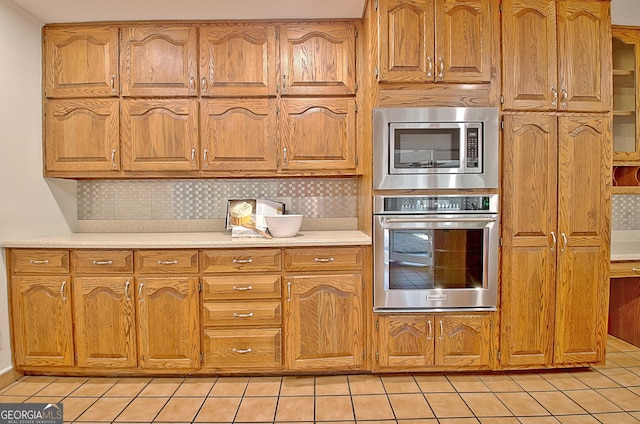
[{"x": 556, "y": 187}]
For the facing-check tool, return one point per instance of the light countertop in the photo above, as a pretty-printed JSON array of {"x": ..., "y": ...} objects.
[
  {"x": 625, "y": 245},
  {"x": 195, "y": 240}
]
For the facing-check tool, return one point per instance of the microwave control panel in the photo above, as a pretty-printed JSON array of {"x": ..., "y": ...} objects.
[{"x": 472, "y": 148}]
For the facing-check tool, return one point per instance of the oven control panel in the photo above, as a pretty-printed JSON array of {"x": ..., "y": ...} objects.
[{"x": 436, "y": 204}]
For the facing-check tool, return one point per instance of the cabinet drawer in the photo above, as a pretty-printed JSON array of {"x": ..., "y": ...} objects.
[
  {"x": 101, "y": 261},
  {"x": 241, "y": 260},
  {"x": 241, "y": 287},
  {"x": 311, "y": 259},
  {"x": 166, "y": 261},
  {"x": 625, "y": 269},
  {"x": 246, "y": 348},
  {"x": 32, "y": 261},
  {"x": 254, "y": 313}
]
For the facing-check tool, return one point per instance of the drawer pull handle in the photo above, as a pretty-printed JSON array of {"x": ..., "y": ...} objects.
[
  {"x": 242, "y": 288},
  {"x": 173, "y": 262},
  {"x": 39, "y": 262},
  {"x": 237, "y": 315},
  {"x": 248, "y": 350},
  {"x": 127, "y": 284},
  {"x": 323, "y": 260},
  {"x": 635, "y": 269},
  {"x": 242, "y": 261},
  {"x": 109, "y": 262}
]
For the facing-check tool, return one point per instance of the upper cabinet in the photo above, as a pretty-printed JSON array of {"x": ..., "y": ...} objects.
[
  {"x": 626, "y": 62},
  {"x": 565, "y": 66},
  {"x": 318, "y": 58},
  {"x": 159, "y": 60},
  {"x": 201, "y": 99},
  {"x": 81, "y": 135},
  {"x": 436, "y": 40},
  {"x": 81, "y": 61},
  {"x": 238, "y": 59}
]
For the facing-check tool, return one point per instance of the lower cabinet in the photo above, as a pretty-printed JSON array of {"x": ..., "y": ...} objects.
[
  {"x": 324, "y": 322},
  {"x": 42, "y": 321},
  {"x": 41, "y": 308},
  {"x": 168, "y": 322},
  {"x": 424, "y": 341},
  {"x": 105, "y": 321},
  {"x": 242, "y": 309},
  {"x": 323, "y": 308}
]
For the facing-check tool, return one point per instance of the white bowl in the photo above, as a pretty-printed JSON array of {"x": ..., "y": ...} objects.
[{"x": 284, "y": 225}]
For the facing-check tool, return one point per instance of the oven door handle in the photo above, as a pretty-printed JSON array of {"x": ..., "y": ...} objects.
[{"x": 405, "y": 220}]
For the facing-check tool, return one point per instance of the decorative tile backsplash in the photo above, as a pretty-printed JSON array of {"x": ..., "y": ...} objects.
[
  {"x": 625, "y": 212},
  {"x": 106, "y": 200}
]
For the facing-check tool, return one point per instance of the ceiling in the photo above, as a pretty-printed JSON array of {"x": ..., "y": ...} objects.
[{"x": 56, "y": 11}]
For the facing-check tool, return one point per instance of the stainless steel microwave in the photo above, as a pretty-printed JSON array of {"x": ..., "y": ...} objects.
[{"x": 440, "y": 148}]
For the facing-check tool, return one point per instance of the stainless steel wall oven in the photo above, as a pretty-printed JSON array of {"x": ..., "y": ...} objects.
[{"x": 435, "y": 252}]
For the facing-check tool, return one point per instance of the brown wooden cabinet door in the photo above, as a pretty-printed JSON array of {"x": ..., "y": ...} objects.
[
  {"x": 159, "y": 60},
  {"x": 529, "y": 63},
  {"x": 82, "y": 135},
  {"x": 529, "y": 221},
  {"x": 436, "y": 40},
  {"x": 464, "y": 33},
  {"x": 405, "y": 341},
  {"x": 462, "y": 340},
  {"x": 318, "y": 58},
  {"x": 239, "y": 135},
  {"x": 407, "y": 36},
  {"x": 159, "y": 135},
  {"x": 238, "y": 60},
  {"x": 42, "y": 321},
  {"x": 583, "y": 242},
  {"x": 81, "y": 61},
  {"x": 104, "y": 317},
  {"x": 324, "y": 327},
  {"x": 168, "y": 322},
  {"x": 318, "y": 134},
  {"x": 584, "y": 61}
]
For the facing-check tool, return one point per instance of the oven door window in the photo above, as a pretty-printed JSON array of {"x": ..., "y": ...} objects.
[
  {"x": 436, "y": 258},
  {"x": 426, "y": 148}
]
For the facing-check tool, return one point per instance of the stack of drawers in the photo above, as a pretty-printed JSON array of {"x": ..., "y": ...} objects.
[{"x": 242, "y": 308}]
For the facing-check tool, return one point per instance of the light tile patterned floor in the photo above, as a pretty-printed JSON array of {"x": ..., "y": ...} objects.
[{"x": 608, "y": 394}]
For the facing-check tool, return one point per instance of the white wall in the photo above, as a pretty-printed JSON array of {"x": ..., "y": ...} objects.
[
  {"x": 29, "y": 204},
  {"x": 625, "y": 12}
]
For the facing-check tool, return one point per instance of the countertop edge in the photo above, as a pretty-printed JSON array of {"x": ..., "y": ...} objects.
[{"x": 184, "y": 240}]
